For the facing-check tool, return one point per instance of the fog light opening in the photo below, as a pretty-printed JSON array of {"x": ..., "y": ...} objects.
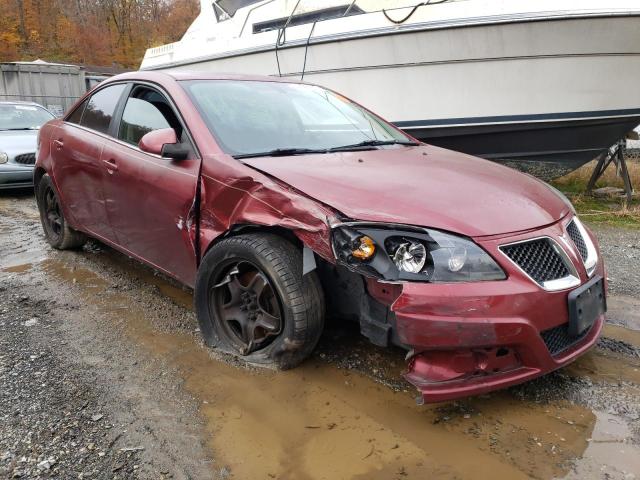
[{"x": 501, "y": 352}]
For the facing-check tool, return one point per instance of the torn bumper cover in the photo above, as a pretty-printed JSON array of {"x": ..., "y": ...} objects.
[
  {"x": 463, "y": 351},
  {"x": 473, "y": 338}
]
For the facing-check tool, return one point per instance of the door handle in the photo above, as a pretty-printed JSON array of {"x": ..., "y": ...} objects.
[
  {"x": 111, "y": 165},
  {"x": 59, "y": 144}
]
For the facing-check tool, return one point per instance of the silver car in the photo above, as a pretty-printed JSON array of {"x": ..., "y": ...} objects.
[{"x": 19, "y": 126}]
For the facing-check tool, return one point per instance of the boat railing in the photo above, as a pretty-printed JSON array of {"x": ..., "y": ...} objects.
[
  {"x": 161, "y": 50},
  {"x": 346, "y": 12},
  {"x": 293, "y": 12}
]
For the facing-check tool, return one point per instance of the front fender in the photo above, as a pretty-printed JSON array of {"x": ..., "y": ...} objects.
[{"x": 261, "y": 201}]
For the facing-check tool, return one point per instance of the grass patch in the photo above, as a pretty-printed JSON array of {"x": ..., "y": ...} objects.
[{"x": 612, "y": 211}]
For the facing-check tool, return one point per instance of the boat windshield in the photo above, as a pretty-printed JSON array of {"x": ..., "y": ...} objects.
[
  {"x": 227, "y": 8},
  {"x": 252, "y": 117},
  {"x": 313, "y": 16}
]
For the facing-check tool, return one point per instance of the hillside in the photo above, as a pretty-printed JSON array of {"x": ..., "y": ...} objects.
[{"x": 95, "y": 32}]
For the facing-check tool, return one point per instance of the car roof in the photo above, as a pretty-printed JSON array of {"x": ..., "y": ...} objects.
[{"x": 159, "y": 75}]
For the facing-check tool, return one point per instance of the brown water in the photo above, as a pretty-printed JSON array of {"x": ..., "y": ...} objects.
[{"x": 20, "y": 268}]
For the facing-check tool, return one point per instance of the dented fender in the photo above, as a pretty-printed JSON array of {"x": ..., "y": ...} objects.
[{"x": 238, "y": 195}]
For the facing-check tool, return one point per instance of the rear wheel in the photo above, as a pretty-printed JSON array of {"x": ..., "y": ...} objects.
[
  {"x": 56, "y": 229},
  {"x": 252, "y": 300}
]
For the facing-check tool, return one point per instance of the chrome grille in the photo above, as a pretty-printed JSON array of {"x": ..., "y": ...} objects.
[
  {"x": 576, "y": 237},
  {"x": 538, "y": 259},
  {"x": 26, "y": 158},
  {"x": 557, "y": 339}
]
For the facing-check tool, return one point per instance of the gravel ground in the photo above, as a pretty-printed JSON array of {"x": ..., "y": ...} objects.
[
  {"x": 77, "y": 398},
  {"x": 68, "y": 413},
  {"x": 621, "y": 250},
  {"x": 54, "y": 424}
]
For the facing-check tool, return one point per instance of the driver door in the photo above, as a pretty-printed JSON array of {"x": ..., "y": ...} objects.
[{"x": 149, "y": 198}]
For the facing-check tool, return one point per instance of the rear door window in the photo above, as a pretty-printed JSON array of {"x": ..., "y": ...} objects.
[{"x": 99, "y": 111}]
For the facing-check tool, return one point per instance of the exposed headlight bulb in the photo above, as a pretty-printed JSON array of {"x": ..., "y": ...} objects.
[
  {"x": 364, "y": 248},
  {"x": 457, "y": 259},
  {"x": 410, "y": 257}
]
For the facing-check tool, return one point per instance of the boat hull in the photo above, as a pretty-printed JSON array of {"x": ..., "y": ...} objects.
[
  {"x": 547, "y": 149},
  {"x": 553, "y": 90}
]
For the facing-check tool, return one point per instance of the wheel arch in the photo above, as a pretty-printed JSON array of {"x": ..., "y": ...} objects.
[
  {"x": 242, "y": 228},
  {"x": 38, "y": 173},
  {"x": 310, "y": 256}
]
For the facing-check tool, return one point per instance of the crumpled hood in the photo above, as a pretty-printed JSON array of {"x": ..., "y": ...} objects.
[
  {"x": 17, "y": 142},
  {"x": 425, "y": 186}
]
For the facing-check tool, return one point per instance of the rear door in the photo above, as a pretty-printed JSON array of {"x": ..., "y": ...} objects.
[
  {"x": 148, "y": 198},
  {"x": 76, "y": 148}
]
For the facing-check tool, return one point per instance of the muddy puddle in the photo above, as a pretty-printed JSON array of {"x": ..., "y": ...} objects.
[
  {"x": 20, "y": 268},
  {"x": 609, "y": 454},
  {"x": 607, "y": 367},
  {"x": 321, "y": 422}
]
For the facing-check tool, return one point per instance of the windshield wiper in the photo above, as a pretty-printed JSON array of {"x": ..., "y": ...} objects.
[
  {"x": 286, "y": 152},
  {"x": 18, "y": 128},
  {"x": 372, "y": 143},
  {"x": 280, "y": 152}
]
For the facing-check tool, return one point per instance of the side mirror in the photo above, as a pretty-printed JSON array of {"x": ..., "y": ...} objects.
[{"x": 163, "y": 142}]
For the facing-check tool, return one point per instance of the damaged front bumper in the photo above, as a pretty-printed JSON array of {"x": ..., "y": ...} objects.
[
  {"x": 474, "y": 347},
  {"x": 473, "y": 338}
]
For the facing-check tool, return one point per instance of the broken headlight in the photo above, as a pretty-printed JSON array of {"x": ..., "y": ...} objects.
[{"x": 418, "y": 255}]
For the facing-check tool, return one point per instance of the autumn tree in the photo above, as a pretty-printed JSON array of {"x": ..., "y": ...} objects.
[{"x": 96, "y": 32}]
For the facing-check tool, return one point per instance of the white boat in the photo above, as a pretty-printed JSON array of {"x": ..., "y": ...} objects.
[{"x": 536, "y": 83}]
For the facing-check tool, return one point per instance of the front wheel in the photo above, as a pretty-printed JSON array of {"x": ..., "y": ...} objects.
[
  {"x": 252, "y": 300},
  {"x": 55, "y": 226}
]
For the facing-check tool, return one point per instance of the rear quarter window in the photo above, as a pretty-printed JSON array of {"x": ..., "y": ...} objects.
[{"x": 76, "y": 116}]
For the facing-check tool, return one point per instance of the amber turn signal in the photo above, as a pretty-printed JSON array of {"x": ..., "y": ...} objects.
[{"x": 365, "y": 249}]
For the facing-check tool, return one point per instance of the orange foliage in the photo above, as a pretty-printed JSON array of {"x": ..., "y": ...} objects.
[{"x": 93, "y": 32}]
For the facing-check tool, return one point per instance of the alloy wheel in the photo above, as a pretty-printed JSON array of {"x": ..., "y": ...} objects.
[
  {"x": 247, "y": 307},
  {"x": 52, "y": 214}
]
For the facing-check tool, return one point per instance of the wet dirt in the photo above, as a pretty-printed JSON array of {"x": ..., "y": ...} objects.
[{"x": 345, "y": 413}]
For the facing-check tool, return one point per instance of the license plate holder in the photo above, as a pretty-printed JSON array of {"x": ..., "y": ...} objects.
[{"x": 586, "y": 304}]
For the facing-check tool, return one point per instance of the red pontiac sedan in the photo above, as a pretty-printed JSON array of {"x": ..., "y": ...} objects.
[{"x": 281, "y": 202}]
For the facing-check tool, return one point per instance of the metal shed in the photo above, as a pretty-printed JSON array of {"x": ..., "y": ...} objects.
[{"x": 52, "y": 85}]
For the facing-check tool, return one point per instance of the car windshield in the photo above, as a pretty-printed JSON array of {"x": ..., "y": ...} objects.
[
  {"x": 253, "y": 117},
  {"x": 23, "y": 117}
]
